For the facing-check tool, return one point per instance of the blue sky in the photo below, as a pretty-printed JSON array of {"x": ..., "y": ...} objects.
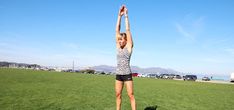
[{"x": 193, "y": 36}]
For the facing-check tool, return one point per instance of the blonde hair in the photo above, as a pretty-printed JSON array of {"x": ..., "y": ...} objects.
[{"x": 123, "y": 35}]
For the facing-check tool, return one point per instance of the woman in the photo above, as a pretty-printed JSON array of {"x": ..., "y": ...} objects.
[{"x": 124, "y": 45}]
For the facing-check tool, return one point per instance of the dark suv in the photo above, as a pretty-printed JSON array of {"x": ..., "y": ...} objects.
[{"x": 190, "y": 78}]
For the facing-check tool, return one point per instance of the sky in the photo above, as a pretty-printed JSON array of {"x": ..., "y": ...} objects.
[{"x": 194, "y": 36}]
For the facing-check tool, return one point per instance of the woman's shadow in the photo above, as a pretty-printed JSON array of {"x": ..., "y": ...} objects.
[{"x": 151, "y": 107}]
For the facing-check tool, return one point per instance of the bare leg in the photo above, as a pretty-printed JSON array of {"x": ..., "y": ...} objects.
[
  {"x": 118, "y": 92},
  {"x": 129, "y": 87}
]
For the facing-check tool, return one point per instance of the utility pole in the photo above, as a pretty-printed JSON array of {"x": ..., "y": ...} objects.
[{"x": 73, "y": 66}]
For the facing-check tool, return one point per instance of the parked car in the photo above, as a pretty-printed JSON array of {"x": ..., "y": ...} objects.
[
  {"x": 142, "y": 75},
  {"x": 190, "y": 78},
  {"x": 152, "y": 75},
  {"x": 177, "y": 77},
  {"x": 164, "y": 76},
  {"x": 171, "y": 76},
  {"x": 135, "y": 74},
  {"x": 205, "y": 79}
]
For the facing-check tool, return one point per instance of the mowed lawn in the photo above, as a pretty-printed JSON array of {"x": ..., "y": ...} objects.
[{"x": 42, "y": 90}]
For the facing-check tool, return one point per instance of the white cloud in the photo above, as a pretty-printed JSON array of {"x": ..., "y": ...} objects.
[
  {"x": 182, "y": 31},
  {"x": 190, "y": 27}
]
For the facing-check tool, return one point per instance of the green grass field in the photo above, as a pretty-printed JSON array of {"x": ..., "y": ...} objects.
[{"x": 42, "y": 90}]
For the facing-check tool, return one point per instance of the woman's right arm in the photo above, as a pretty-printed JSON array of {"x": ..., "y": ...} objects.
[{"x": 117, "y": 30}]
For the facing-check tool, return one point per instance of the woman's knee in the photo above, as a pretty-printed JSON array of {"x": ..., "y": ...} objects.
[
  {"x": 131, "y": 95},
  {"x": 118, "y": 95}
]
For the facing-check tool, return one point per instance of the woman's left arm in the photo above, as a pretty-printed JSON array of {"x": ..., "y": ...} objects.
[{"x": 128, "y": 32}]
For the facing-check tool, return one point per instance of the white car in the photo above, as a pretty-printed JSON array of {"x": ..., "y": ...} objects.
[
  {"x": 142, "y": 75},
  {"x": 232, "y": 77}
]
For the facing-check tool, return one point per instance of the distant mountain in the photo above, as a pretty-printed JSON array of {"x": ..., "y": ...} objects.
[
  {"x": 104, "y": 68},
  {"x": 157, "y": 70},
  {"x": 136, "y": 69}
]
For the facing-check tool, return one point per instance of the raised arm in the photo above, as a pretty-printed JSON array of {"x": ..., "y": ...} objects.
[
  {"x": 117, "y": 30},
  {"x": 128, "y": 32}
]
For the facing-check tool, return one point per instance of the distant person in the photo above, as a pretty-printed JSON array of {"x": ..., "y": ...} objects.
[{"x": 124, "y": 46}]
